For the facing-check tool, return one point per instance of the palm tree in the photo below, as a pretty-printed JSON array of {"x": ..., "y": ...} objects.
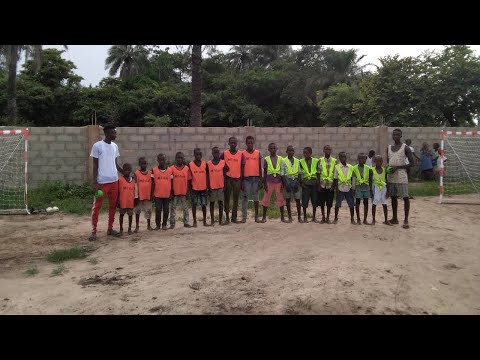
[
  {"x": 240, "y": 57},
  {"x": 131, "y": 60},
  {"x": 196, "y": 107},
  {"x": 12, "y": 54},
  {"x": 266, "y": 54}
]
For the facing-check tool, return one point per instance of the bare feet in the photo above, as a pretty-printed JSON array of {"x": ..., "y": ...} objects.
[
  {"x": 194, "y": 224},
  {"x": 223, "y": 223},
  {"x": 92, "y": 237},
  {"x": 405, "y": 225},
  {"x": 393, "y": 222},
  {"x": 322, "y": 221},
  {"x": 365, "y": 222},
  {"x": 172, "y": 226},
  {"x": 149, "y": 228},
  {"x": 157, "y": 227},
  {"x": 300, "y": 221},
  {"x": 328, "y": 221},
  {"x": 290, "y": 220},
  {"x": 263, "y": 221},
  {"x": 257, "y": 220},
  {"x": 187, "y": 225},
  {"x": 305, "y": 221},
  {"x": 136, "y": 230},
  {"x": 212, "y": 223},
  {"x": 387, "y": 223},
  {"x": 206, "y": 224},
  {"x": 285, "y": 221},
  {"x": 335, "y": 221},
  {"x": 359, "y": 222},
  {"x": 130, "y": 232},
  {"x": 164, "y": 227},
  {"x": 373, "y": 222},
  {"x": 352, "y": 221}
]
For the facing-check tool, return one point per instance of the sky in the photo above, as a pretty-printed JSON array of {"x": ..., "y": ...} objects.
[{"x": 90, "y": 59}]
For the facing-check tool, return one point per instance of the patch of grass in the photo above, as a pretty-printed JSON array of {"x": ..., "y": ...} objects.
[
  {"x": 58, "y": 256},
  {"x": 93, "y": 261},
  {"x": 305, "y": 304},
  {"x": 32, "y": 270},
  {"x": 423, "y": 188},
  {"x": 59, "y": 270},
  {"x": 75, "y": 199}
]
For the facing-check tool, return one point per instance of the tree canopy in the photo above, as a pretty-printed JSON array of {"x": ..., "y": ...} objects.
[{"x": 272, "y": 85}]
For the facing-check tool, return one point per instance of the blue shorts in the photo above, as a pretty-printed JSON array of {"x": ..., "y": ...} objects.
[{"x": 344, "y": 195}]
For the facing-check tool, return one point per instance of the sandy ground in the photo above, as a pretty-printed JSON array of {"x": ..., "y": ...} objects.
[{"x": 271, "y": 268}]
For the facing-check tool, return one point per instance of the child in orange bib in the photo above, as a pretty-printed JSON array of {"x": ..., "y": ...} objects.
[
  {"x": 198, "y": 185},
  {"x": 215, "y": 168},
  {"x": 181, "y": 176},
  {"x": 126, "y": 196},
  {"x": 252, "y": 177},
  {"x": 145, "y": 187},
  {"x": 162, "y": 191}
]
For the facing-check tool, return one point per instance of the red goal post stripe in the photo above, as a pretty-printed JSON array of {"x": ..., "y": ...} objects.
[
  {"x": 473, "y": 132},
  {"x": 14, "y": 132}
]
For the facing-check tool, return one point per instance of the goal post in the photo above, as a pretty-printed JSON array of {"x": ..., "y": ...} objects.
[
  {"x": 459, "y": 169},
  {"x": 14, "y": 171}
]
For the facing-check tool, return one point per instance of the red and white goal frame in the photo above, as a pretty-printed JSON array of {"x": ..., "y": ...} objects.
[
  {"x": 443, "y": 134},
  {"x": 25, "y": 159}
]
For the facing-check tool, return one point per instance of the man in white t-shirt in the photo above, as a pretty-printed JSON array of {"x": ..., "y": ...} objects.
[{"x": 105, "y": 178}]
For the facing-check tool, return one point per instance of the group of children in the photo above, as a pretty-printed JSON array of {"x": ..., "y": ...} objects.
[{"x": 227, "y": 174}]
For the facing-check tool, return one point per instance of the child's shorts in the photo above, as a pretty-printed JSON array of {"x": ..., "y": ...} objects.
[
  {"x": 294, "y": 184},
  {"x": 362, "y": 194},
  {"x": 129, "y": 212},
  {"x": 345, "y": 195},
  {"x": 146, "y": 207},
  {"x": 199, "y": 197},
  {"x": 379, "y": 196},
  {"x": 216, "y": 195}
]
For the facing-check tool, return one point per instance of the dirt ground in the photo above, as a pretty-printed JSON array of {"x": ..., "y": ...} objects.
[{"x": 272, "y": 268}]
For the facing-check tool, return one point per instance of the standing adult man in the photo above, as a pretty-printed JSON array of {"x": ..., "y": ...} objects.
[
  {"x": 398, "y": 178},
  {"x": 105, "y": 177}
]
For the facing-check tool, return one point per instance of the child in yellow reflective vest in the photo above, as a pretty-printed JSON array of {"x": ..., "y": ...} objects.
[
  {"x": 362, "y": 183},
  {"x": 326, "y": 167},
  {"x": 380, "y": 192},
  {"x": 308, "y": 181},
  {"x": 272, "y": 181},
  {"x": 343, "y": 183},
  {"x": 291, "y": 182}
]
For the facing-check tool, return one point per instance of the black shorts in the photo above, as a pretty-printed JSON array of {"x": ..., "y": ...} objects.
[
  {"x": 309, "y": 192},
  {"x": 325, "y": 196}
]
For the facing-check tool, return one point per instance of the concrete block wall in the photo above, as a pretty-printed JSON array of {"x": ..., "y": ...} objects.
[
  {"x": 62, "y": 153},
  {"x": 57, "y": 153}
]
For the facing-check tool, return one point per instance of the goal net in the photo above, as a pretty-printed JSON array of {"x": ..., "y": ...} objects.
[
  {"x": 13, "y": 171},
  {"x": 459, "y": 167}
]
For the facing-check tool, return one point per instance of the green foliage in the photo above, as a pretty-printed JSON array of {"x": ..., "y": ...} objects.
[
  {"x": 272, "y": 85},
  {"x": 59, "y": 256},
  {"x": 32, "y": 270}
]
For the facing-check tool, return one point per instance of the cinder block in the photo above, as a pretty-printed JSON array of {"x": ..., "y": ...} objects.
[
  {"x": 195, "y": 138},
  {"x": 330, "y": 130},
  {"x": 74, "y": 130},
  {"x": 47, "y": 169},
  {"x": 343, "y": 130},
  {"x": 64, "y": 138},
  {"x": 74, "y": 146},
  {"x": 37, "y": 131},
  {"x": 37, "y": 178},
  {"x": 135, "y": 138},
  {"x": 55, "y": 130},
  {"x": 56, "y": 146},
  {"x": 218, "y": 130},
  {"x": 188, "y": 130},
  {"x": 159, "y": 130},
  {"x": 148, "y": 145},
  {"x": 35, "y": 146},
  {"x": 150, "y": 137},
  {"x": 47, "y": 138},
  {"x": 122, "y": 131}
]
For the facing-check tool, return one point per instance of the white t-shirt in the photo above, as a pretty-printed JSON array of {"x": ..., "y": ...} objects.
[
  {"x": 106, "y": 155},
  {"x": 369, "y": 161}
]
